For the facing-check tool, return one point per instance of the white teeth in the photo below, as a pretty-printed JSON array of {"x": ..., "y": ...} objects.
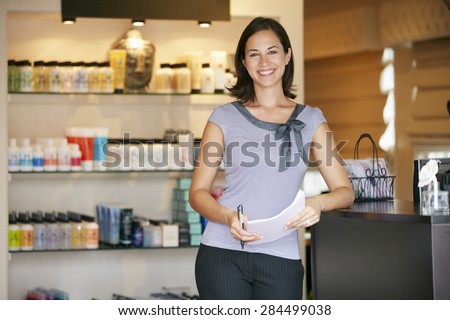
[{"x": 264, "y": 73}]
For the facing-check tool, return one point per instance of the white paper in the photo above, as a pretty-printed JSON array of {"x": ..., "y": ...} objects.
[{"x": 274, "y": 228}]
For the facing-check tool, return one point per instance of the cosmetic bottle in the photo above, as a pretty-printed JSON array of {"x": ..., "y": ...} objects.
[
  {"x": 13, "y": 77},
  {"x": 93, "y": 77},
  {"x": 26, "y": 76},
  {"x": 26, "y": 156},
  {"x": 64, "y": 156},
  {"x": 65, "y": 231},
  {"x": 50, "y": 156},
  {"x": 13, "y": 233},
  {"x": 106, "y": 77},
  {"x": 40, "y": 231},
  {"x": 13, "y": 156},
  {"x": 39, "y": 77},
  {"x": 207, "y": 76},
  {"x": 75, "y": 157},
  {"x": 183, "y": 79},
  {"x": 90, "y": 232},
  {"x": 54, "y": 76},
  {"x": 164, "y": 78},
  {"x": 52, "y": 239},
  {"x": 77, "y": 230},
  {"x": 38, "y": 158},
  {"x": 26, "y": 232}
]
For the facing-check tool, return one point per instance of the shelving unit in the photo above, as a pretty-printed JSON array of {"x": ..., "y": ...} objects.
[{"x": 99, "y": 273}]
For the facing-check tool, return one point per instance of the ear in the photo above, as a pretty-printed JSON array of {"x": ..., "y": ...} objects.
[{"x": 288, "y": 56}]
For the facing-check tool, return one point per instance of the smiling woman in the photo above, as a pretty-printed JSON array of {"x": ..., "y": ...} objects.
[{"x": 266, "y": 124}]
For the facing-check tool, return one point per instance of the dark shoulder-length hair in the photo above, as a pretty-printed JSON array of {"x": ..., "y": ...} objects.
[{"x": 243, "y": 89}]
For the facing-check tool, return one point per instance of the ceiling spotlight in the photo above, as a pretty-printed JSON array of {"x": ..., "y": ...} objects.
[
  {"x": 138, "y": 22},
  {"x": 204, "y": 24},
  {"x": 67, "y": 20}
]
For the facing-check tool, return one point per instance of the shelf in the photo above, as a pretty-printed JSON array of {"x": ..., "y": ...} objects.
[
  {"x": 115, "y": 94},
  {"x": 119, "y": 98},
  {"x": 100, "y": 174},
  {"x": 105, "y": 248}
]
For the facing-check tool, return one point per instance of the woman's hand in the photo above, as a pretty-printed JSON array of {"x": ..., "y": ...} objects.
[
  {"x": 236, "y": 230},
  {"x": 309, "y": 215}
]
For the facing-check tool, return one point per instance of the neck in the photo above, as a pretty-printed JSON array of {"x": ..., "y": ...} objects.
[{"x": 270, "y": 98}]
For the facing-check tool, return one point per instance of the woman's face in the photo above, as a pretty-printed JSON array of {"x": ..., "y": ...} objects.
[{"x": 265, "y": 59}]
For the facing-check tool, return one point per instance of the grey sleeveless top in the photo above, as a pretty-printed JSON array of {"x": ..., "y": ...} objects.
[{"x": 265, "y": 164}]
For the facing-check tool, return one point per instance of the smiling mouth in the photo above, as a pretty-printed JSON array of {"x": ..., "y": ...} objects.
[{"x": 266, "y": 72}]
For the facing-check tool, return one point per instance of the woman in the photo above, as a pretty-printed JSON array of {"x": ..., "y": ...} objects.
[{"x": 264, "y": 140}]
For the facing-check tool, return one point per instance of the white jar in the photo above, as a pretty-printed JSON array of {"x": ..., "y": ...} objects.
[
  {"x": 183, "y": 79},
  {"x": 106, "y": 77},
  {"x": 207, "y": 79},
  {"x": 164, "y": 79},
  {"x": 94, "y": 85}
]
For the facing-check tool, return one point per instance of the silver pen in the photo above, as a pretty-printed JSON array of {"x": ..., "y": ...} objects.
[{"x": 240, "y": 212}]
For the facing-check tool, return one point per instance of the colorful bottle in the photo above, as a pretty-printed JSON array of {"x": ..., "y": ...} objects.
[
  {"x": 40, "y": 231},
  {"x": 90, "y": 232},
  {"x": 13, "y": 156},
  {"x": 13, "y": 233},
  {"x": 52, "y": 239},
  {"x": 38, "y": 158},
  {"x": 26, "y": 156},
  {"x": 50, "y": 156},
  {"x": 65, "y": 231},
  {"x": 64, "y": 156},
  {"x": 75, "y": 157},
  {"x": 13, "y": 77},
  {"x": 77, "y": 230},
  {"x": 26, "y": 232}
]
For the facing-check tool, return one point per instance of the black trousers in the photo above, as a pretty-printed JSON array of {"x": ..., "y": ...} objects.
[{"x": 223, "y": 274}]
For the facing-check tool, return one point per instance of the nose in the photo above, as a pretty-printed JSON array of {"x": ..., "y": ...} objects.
[
  {"x": 140, "y": 63},
  {"x": 263, "y": 60}
]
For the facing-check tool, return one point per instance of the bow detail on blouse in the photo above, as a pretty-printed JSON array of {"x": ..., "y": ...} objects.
[{"x": 284, "y": 132}]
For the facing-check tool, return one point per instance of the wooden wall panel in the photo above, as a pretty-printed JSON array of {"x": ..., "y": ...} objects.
[
  {"x": 431, "y": 104},
  {"x": 431, "y": 77},
  {"x": 346, "y": 89}
]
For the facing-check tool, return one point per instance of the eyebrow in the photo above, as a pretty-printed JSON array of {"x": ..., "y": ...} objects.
[{"x": 269, "y": 48}]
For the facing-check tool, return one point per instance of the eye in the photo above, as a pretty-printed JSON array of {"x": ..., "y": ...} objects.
[
  {"x": 273, "y": 52},
  {"x": 254, "y": 54}
]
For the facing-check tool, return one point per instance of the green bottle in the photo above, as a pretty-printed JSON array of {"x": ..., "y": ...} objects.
[{"x": 13, "y": 233}]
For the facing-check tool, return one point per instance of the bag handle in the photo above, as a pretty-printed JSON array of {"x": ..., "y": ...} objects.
[{"x": 370, "y": 173}]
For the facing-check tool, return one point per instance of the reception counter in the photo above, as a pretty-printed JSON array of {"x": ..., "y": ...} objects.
[{"x": 380, "y": 250}]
